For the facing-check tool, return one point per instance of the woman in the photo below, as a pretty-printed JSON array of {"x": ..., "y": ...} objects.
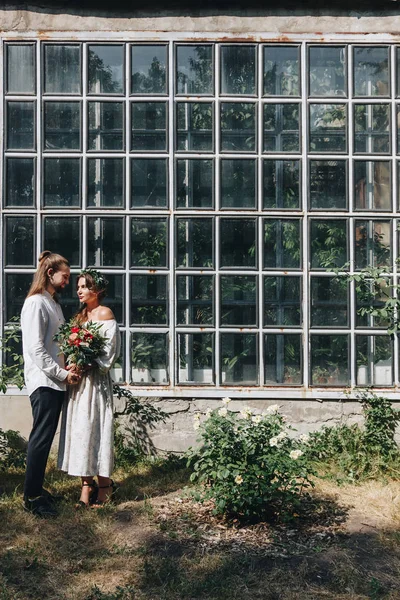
[{"x": 86, "y": 439}]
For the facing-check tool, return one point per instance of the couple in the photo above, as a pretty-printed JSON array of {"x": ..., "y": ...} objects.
[{"x": 85, "y": 396}]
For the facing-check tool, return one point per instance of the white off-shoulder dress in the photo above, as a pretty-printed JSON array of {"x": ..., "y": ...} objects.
[{"x": 86, "y": 436}]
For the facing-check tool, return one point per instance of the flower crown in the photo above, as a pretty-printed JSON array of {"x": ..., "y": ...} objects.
[{"x": 98, "y": 278}]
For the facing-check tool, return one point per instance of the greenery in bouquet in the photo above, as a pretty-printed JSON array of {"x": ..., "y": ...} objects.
[{"x": 80, "y": 344}]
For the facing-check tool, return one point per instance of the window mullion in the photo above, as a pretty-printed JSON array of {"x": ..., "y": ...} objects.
[
  {"x": 173, "y": 354},
  {"x": 305, "y": 236}
]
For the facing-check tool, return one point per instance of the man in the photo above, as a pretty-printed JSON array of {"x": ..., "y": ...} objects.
[{"x": 45, "y": 375}]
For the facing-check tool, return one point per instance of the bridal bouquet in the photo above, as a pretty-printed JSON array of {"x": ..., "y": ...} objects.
[{"x": 80, "y": 344}]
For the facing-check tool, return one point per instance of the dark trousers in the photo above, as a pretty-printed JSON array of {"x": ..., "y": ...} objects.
[{"x": 46, "y": 407}]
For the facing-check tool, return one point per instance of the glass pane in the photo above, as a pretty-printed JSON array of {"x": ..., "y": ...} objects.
[
  {"x": 117, "y": 371},
  {"x": 105, "y": 242},
  {"x": 194, "y": 183},
  {"x": 329, "y": 360},
  {"x": 196, "y": 364},
  {"x": 328, "y": 124},
  {"x": 374, "y": 360},
  {"x": 105, "y": 183},
  {"x": 327, "y": 71},
  {"x": 106, "y": 126},
  {"x": 238, "y": 127},
  {"x": 239, "y": 358},
  {"x": 195, "y": 126},
  {"x": 63, "y": 234},
  {"x": 149, "y": 179},
  {"x": 281, "y": 71},
  {"x": 20, "y": 241},
  {"x": 238, "y": 70},
  {"x": 20, "y": 182},
  {"x": 329, "y": 302},
  {"x": 148, "y": 69},
  {"x": 149, "y": 239},
  {"x": 149, "y": 126},
  {"x": 238, "y": 243},
  {"x": 149, "y": 354},
  {"x": 106, "y": 69},
  {"x": 195, "y": 294},
  {"x": 281, "y": 181},
  {"x": 371, "y": 71},
  {"x": 238, "y": 183},
  {"x": 282, "y": 247},
  {"x": 283, "y": 359},
  {"x": 328, "y": 184},
  {"x": 373, "y": 241},
  {"x": 16, "y": 288},
  {"x": 115, "y": 298},
  {"x": 62, "y": 125},
  {"x": 370, "y": 297},
  {"x": 62, "y": 180},
  {"x": 149, "y": 300},
  {"x": 194, "y": 243},
  {"x": 194, "y": 70},
  {"x": 371, "y": 122},
  {"x": 238, "y": 300},
  {"x": 282, "y": 301},
  {"x": 328, "y": 243},
  {"x": 372, "y": 183},
  {"x": 21, "y": 126},
  {"x": 62, "y": 69},
  {"x": 21, "y": 68},
  {"x": 281, "y": 128}
]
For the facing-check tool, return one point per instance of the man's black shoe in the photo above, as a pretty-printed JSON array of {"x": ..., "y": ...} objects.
[
  {"x": 52, "y": 498},
  {"x": 40, "y": 506}
]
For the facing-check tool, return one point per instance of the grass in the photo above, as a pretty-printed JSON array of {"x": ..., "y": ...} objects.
[{"x": 155, "y": 543}]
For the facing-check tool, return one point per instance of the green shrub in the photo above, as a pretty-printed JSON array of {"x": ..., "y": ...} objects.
[{"x": 12, "y": 450}]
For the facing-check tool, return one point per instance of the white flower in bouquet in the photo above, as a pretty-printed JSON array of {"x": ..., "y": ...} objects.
[{"x": 295, "y": 454}]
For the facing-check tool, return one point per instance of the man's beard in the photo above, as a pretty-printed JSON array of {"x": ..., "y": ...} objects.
[{"x": 58, "y": 288}]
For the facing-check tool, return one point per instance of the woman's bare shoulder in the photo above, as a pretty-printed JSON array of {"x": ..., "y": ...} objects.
[{"x": 104, "y": 314}]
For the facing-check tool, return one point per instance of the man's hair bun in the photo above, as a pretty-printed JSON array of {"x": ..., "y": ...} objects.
[{"x": 44, "y": 254}]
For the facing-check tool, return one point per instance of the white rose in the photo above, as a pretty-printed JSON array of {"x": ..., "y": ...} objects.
[
  {"x": 305, "y": 438},
  {"x": 272, "y": 409},
  {"x": 246, "y": 412},
  {"x": 295, "y": 454},
  {"x": 273, "y": 441},
  {"x": 197, "y": 417},
  {"x": 223, "y": 412},
  {"x": 239, "y": 479},
  {"x": 282, "y": 435},
  {"x": 257, "y": 419},
  {"x": 196, "y": 425},
  {"x": 226, "y": 400}
]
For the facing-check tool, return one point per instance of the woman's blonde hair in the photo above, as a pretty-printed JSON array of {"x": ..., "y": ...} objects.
[{"x": 47, "y": 260}]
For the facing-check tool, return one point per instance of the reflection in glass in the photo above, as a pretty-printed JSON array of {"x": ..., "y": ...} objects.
[
  {"x": 371, "y": 71},
  {"x": 20, "y": 182},
  {"x": 149, "y": 300},
  {"x": 148, "y": 69},
  {"x": 238, "y": 70},
  {"x": 328, "y": 243},
  {"x": 149, "y": 355},
  {"x": 371, "y": 122},
  {"x": 328, "y": 184},
  {"x": 105, "y": 242},
  {"x": 195, "y": 299},
  {"x": 21, "y": 68},
  {"x": 20, "y": 240},
  {"x": 149, "y": 126},
  {"x": 239, "y": 358},
  {"x": 281, "y": 71},
  {"x": 62, "y": 125},
  {"x": 117, "y": 371},
  {"x": 374, "y": 355},
  {"x": 196, "y": 364},
  {"x": 115, "y": 298},
  {"x": 149, "y": 182},
  {"x": 373, "y": 241},
  {"x": 282, "y": 301},
  {"x": 64, "y": 233},
  {"x": 281, "y": 128},
  {"x": 329, "y": 302},
  {"x": 283, "y": 359},
  {"x": 238, "y": 183},
  {"x": 61, "y": 182},
  {"x": 106, "y": 69},
  {"x": 329, "y": 360},
  {"x": 194, "y": 243},
  {"x": 194, "y": 183},
  {"x": 327, "y": 71},
  {"x": 149, "y": 241},
  {"x": 238, "y": 243},
  {"x": 194, "y": 70},
  {"x": 195, "y": 126},
  {"x": 371, "y": 296},
  {"x": 16, "y": 288},
  {"x": 328, "y": 126},
  {"x": 105, "y": 183},
  {"x": 238, "y": 300},
  {"x": 106, "y": 126},
  {"x": 281, "y": 181},
  {"x": 21, "y": 126},
  {"x": 62, "y": 69},
  {"x": 282, "y": 247},
  {"x": 372, "y": 182},
  {"x": 238, "y": 127}
]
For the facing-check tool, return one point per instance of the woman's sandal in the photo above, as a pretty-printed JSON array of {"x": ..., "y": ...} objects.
[
  {"x": 102, "y": 503},
  {"x": 92, "y": 495}
]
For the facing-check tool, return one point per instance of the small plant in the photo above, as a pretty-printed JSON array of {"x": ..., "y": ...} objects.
[
  {"x": 12, "y": 450},
  {"x": 12, "y": 367}
]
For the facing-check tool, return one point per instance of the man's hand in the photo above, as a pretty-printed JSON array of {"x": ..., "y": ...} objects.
[{"x": 73, "y": 377}]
